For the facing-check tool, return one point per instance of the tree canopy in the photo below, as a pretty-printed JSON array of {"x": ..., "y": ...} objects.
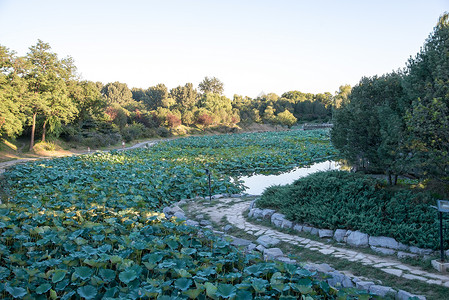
[{"x": 399, "y": 122}]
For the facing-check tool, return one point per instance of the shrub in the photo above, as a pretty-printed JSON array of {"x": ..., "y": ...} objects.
[
  {"x": 339, "y": 199},
  {"x": 163, "y": 132},
  {"x": 132, "y": 132}
]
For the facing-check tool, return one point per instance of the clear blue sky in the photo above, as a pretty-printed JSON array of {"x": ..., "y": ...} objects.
[{"x": 274, "y": 46}]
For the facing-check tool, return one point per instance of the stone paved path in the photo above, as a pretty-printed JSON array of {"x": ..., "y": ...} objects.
[{"x": 234, "y": 215}]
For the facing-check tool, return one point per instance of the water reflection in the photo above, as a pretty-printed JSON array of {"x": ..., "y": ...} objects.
[{"x": 258, "y": 183}]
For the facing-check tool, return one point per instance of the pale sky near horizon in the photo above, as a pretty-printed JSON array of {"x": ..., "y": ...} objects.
[{"x": 251, "y": 46}]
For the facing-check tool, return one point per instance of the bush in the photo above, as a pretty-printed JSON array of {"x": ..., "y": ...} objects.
[
  {"x": 163, "y": 132},
  {"x": 339, "y": 199},
  {"x": 97, "y": 139},
  {"x": 132, "y": 132}
]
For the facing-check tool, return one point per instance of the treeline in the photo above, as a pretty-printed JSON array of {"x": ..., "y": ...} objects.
[
  {"x": 398, "y": 123},
  {"x": 41, "y": 95}
]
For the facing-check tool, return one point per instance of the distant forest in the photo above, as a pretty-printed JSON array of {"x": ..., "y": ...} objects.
[{"x": 42, "y": 97}]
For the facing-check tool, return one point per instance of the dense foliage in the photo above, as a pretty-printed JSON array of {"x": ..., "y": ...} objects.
[
  {"x": 73, "y": 251},
  {"x": 169, "y": 171},
  {"x": 398, "y": 123},
  {"x": 42, "y": 94},
  {"x": 87, "y": 227},
  {"x": 339, "y": 199}
]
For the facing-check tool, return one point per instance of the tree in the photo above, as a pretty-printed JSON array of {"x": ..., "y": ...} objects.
[
  {"x": 117, "y": 93},
  {"x": 211, "y": 85},
  {"x": 286, "y": 118},
  {"x": 12, "y": 95},
  {"x": 46, "y": 77},
  {"x": 341, "y": 96},
  {"x": 185, "y": 96},
  {"x": 269, "y": 115},
  {"x": 157, "y": 97},
  {"x": 427, "y": 85},
  {"x": 88, "y": 99},
  {"x": 369, "y": 128}
]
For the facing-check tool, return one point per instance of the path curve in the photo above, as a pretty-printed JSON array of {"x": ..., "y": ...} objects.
[
  {"x": 234, "y": 215},
  {"x": 7, "y": 164}
]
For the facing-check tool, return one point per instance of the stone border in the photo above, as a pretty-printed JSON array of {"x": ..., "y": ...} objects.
[
  {"x": 266, "y": 248},
  {"x": 379, "y": 244}
]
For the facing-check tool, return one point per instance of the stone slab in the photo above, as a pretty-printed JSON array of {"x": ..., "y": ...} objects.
[
  {"x": 358, "y": 239},
  {"x": 325, "y": 233},
  {"x": 267, "y": 241},
  {"x": 384, "y": 242}
]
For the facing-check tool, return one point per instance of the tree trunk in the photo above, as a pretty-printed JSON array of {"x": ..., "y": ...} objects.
[
  {"x": 395, "y": 179},
  {"x": 44, "y": 131},
  {"x": 390, "y": 182},
  {"x": 33, "y": 128}
]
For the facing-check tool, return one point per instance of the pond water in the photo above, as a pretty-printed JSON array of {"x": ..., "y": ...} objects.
[{"x": 258, "y": 183}]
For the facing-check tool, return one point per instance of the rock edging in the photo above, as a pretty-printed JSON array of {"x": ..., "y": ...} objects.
[
  {"x": 266, "y": 247},
  {"x": 380, "y": 244}
]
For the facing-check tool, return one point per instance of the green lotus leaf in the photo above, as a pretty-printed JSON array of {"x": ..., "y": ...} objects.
[
  {"x": 226, "y": 290},
  {"x": 87, "y": 292},
  {"x": 107, "y": 275},
  {"x": 173, "y": 244},
  {"x": 183, "y": 283},
  {"x": 127, "y": 276},
  {"x": 183, "y": 273},
  {"x": 89, "y": 250},
  {"x": 211, "y": 289},
  {"x": 16, "y": 292},
  {"x": 259, "y": 284},
  {"x": 4, "y": 273},
  {"x": 60, "y": 286},
  {"x": 110, "y": 292},
  {"x": 43, "y": 288},
  {"x": 68, "y": 295},
  {"x": 243, "y": 295},
  {"x": 58, "y": 275},
  {"x": 254, "y": 270},
  {"x": 193, "y": 293},
  {"x": 83, "y": 272},
  {"x": 188, "y": 251}
]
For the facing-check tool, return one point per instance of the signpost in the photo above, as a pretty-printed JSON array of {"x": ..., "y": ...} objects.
[
  {"x": 210, "y": 193},
  {"x": 442, "y": 207}
]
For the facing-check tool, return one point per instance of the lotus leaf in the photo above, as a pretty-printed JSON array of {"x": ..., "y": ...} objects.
[
  {"x": 83, "y": 272},
  {"x": 87, "y": 292},
  {"x": 183, "y": 283},
  {"x": 127, "y": 276},
  {"x": 107, "y": 275},
  {"x": 193, "y": 293},
  {"x": 43, "y": 288},
  {"x": 58, "y": 275},
  {"x": 226, "y": 290},
  {"x": 211, "y": 289},
  {"x": 259, "y": 285},
  {"x": 16, "y": 292}
]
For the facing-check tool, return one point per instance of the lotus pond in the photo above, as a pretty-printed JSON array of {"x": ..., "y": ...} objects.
[{"x": 88, "y": 227}]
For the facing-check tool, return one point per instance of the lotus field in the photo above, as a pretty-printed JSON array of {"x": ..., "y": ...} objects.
[{"x": 89, "y": 227}]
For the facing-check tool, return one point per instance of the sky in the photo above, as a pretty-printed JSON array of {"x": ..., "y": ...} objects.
[{"x": 251, "y": 46}]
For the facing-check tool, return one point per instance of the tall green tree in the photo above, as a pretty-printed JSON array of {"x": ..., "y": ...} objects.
[
  {"x": 158, "y": 97},
  {"x": 369, "y": 128},
  {"x": 46, "y": 77},
  {"x": 117, "y": 93},
  {"x": 427, "y": 85},
  {"x": 185, "y": 96},
  {"x": 13, "y": 94},
  {"x": 211, "y": 85}
]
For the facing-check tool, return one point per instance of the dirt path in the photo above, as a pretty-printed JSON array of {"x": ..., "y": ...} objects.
[{"x": 7, "y": 164}]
